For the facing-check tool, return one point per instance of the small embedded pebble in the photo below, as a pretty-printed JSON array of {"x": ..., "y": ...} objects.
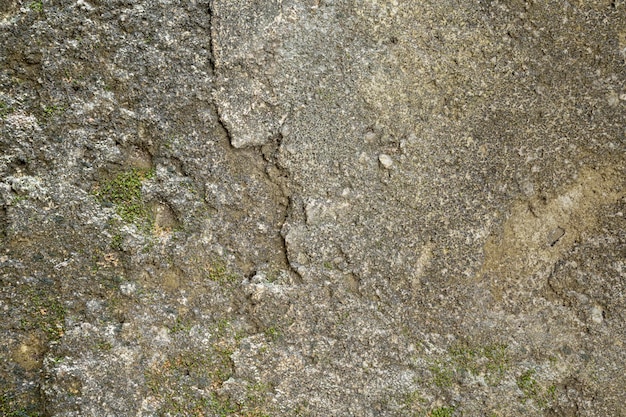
[
  {"x": 555, "y": 235},
  {"x": 370, "y": 137},
  {"x": 385, "y": 160},
  {"x": 597, "y": 314}
]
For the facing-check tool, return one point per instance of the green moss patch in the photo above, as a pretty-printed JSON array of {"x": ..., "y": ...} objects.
[
  {"x": 45, "y": 313},
  {"x": 442, "y": 412},
  {"x": 534, "y": 391},
  {"x": 124, "y": 192},
  {"x": 11, "y": 406},
  {"x": 187, "y": 382}
]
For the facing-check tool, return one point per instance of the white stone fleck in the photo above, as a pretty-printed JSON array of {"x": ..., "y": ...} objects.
[
  {"x": 128, "y": 288},
  {"x": 596, "y": 314},
  {"x": 613, "y": 99},
  {"x": 385, "y": 160}
]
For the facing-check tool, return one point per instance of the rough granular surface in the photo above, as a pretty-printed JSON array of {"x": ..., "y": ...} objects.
[{"x": 312, "y": 208}]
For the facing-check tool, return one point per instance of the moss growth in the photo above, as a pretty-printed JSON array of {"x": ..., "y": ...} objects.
[
  {"x": 442, "y": 412},
  {"x": 273, "y": 333},
  {"x": 414, "y": 403},
  {"x": 176, "y": 381},
  {"x": 443, "y": 374},
  {"x": 5, "y": 109},
  {"x": 17, "y": 199},
  {"x": 124, "y": 191},
  {"x": 301, "y": 409},
  {"x": 52, "y": 110},
  {"x": 187, "y": 383},
  {"x": 497, "y": 359},
  {"x": 10, "y": 406},
  {"x": 218, "y": 272},
  {"x": 254, "y": 405},
  {"x": 533, "y": 391},
  {"x": 36, "y": 6},
  {"x": 116, "y": 242},
  {"x": 491, "y": 362},
  {"x": 181, "y": 325},
  {"x": 184, "y": 379},
  {"x": 104, "y": 346},
  {"x": 526, "y": 382},
  {"x": 181, "y": 384},
  {"x": 45, "y": 313},
  {"x": 273, "y": 275}
]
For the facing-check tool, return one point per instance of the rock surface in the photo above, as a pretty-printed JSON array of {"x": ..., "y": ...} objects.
[{"x": 312, "y": 208}]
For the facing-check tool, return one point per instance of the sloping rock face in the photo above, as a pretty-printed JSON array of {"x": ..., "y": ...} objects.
[{"x": 312, "y": 208}]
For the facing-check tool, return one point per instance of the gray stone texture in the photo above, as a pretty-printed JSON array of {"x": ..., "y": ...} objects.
[{"x": 312, "y": 208}]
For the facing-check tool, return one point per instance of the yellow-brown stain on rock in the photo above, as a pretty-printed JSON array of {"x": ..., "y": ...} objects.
[
  {"x": 164, "y": 219},
  {"x": 423, "y": 262},
  {"x": 171, "y": 279},
  {"x": 29, "y": 353},
  {"x": 539, "y": 231},
  {"x": 168, "y": 279}
]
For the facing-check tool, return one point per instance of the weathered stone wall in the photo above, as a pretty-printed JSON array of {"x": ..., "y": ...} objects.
[{"x": 312, "y": 207}]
